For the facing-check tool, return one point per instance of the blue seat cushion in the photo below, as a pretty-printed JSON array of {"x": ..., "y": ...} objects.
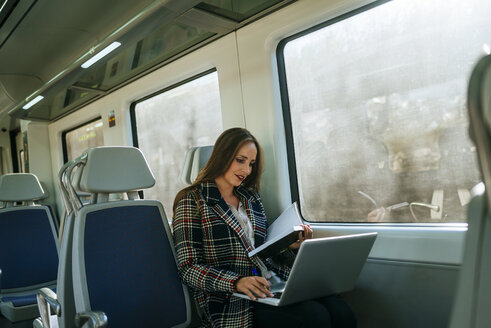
[
  {"x": 130, "y": 268},
  {"x": 21, "y": 300},
  {"x": 28, "y": 253}
]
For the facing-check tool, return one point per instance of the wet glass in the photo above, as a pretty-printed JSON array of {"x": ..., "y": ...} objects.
[
  {"x": 170, "y": 123},
  {"x": 378, "y": 111},
  {"x": 87, "y": 136}
]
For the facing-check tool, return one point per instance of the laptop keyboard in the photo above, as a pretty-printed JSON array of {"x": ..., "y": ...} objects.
[{"x": 277, "y": 295}]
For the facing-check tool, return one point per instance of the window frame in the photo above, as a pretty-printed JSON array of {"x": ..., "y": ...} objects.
[
  {"x": 21, "y": 164},
  {"x": 65, "y": 132},
  {"x": 288, "y": 126},
  {"x": 133, "y": 123}
]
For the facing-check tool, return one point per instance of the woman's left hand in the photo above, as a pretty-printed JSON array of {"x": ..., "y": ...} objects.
[{"x": 305, "y": 234}]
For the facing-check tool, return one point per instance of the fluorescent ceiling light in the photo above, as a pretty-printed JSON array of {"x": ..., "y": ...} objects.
[
  {"x": 33, "y": 102},
  {"x": 101, "y": 54},
  {"x": 1, "y": 8}
]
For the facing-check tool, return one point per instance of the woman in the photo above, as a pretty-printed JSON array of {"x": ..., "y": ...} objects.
[{"x": 217, "y": 221}]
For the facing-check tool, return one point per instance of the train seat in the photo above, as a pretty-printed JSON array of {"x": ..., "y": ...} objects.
[
  {"x": 195, "y": 160},
  {"x": 51, "y": 206},
  {"x": 185, "y": 175},
  {"x": 29, "y": 256},
  {"x": 123, "y": 258},
  {"x": 472, "y": 302},
  {"x": 63, "y": 302}
]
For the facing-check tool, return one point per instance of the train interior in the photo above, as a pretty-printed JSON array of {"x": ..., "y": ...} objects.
[{"x": 374, "y": 116}]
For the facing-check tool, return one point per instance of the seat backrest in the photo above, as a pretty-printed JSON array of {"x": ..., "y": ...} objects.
[
  {"x": 123, "y": 255},
  {"x": 50, "y": 206},
  {"x": 472, "y": 302},
  {"x": 20, "y": 187},
  {"x": 29, "y": 252},
  {"x": 65, "y": 280},
  {"x": 196, "y": 158}
]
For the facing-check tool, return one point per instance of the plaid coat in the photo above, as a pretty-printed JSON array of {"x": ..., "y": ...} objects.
[{"x": 212, "y": 252}]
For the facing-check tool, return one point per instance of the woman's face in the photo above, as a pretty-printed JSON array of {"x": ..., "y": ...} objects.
[{"x": 241, "y": 165}]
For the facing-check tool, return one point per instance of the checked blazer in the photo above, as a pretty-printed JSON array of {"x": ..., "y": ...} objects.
[{"x": 212, "y": 252}]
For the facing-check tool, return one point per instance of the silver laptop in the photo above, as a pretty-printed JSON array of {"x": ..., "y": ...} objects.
[{"x": 323, "y": 267}]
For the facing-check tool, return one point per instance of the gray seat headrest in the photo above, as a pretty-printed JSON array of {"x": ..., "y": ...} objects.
[
  {"x": 185, "y": 174},
  {"x": 115, "y": 169},
  {"x": 200, "y": 158},
  {"x": 486, "y": 95},
  {"x": 196, "y": 159},
  {"x": 17, "y": 187}
]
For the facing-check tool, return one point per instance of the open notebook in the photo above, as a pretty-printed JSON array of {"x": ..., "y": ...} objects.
[{"x": 281, "y": 233}]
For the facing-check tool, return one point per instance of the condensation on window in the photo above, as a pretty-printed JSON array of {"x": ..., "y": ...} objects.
[
  {"x": 379, "y": 118},
  {"x": 170, "y": 123},
  {"x": 80, "y": 139}
]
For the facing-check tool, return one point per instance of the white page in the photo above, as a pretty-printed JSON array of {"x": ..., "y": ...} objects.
[
  {"x": 281, "y": 227},
  {"x": 284, "y": 223}
]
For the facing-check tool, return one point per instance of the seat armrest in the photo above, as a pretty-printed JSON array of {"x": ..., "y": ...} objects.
[
  {"x": 91, "y": 319},
  {"x": 47, "y": 301}
]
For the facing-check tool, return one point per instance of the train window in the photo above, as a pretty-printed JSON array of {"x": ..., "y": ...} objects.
[
  {"x": 77, "y": 140},
  {"x": 375, "y": 111},
  {"x": 167, "y": 124}
]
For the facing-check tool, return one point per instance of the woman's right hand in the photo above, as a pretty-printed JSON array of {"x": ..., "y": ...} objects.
[{"x": 253, "y": 285}]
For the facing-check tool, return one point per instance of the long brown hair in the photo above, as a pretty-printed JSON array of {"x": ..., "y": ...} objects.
[{"x": 224, "y": 152}]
